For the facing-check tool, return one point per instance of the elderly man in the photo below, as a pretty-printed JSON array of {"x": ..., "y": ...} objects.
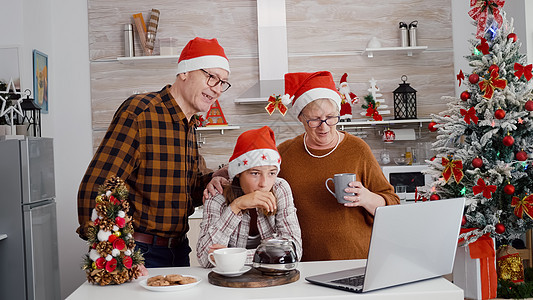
[{"x": 151, "y": 145}]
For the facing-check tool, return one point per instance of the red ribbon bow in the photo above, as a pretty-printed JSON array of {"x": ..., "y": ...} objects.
[
  {"x": 482, "y": 187},
  {"x": 470, "y": 115},
  {"x": 480, "y": 11},
  {"x": 454, "y": 167},
  {"x": 460, "y": 77},
  {"x": 523, "y": 206},
  {"x": 371, "y": 112},
  {"x": 275, "y": 102},
  {"x": 523, "y": 70},
  {"x": 488, "y": 85},
  {"x": 483, "y": 46}
]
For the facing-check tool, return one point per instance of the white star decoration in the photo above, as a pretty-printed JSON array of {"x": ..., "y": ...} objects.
[{"x": 12, "y": 109}]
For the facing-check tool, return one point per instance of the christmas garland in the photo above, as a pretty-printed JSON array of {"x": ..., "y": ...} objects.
[{"x": 510, "y": 290}]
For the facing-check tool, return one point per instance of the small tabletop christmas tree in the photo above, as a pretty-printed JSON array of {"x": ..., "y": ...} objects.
[
  {"x": 485, "y": 137},
  {"x": 111, "y": 258}
]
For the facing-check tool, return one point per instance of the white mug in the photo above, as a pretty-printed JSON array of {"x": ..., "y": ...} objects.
[
  {"x": 228, "y": 259},
  {"x": 341, "y": 182}
]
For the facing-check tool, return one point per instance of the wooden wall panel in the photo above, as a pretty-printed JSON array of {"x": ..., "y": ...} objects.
[{"x": 322, "y": 35}]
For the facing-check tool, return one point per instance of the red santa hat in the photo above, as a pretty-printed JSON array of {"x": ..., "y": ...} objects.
[
  {"x": 202, "y": 53},
  {"x": 344, "y": 77},
  {"x": 304, "y": 88},
  {"x": 254, "y": 148}
]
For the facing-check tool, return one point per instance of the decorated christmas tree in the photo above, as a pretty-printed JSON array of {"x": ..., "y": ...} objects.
[
  {"x": 111, "y": 258},
  {"x": 485, "y": 137}
]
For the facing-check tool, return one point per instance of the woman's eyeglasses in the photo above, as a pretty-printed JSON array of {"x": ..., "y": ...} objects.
[
  {"x": 213, "y": 80},
  {"x": 330, "y": 121}
]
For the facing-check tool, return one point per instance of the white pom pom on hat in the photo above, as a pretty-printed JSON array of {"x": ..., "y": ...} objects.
[{"x": 305, "y": 88}]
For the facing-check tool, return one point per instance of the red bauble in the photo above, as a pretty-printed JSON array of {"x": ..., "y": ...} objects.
[
  {"x": 465, "y": 95},
  {"x": 508, "y": 140},
  {"x": 509, "y": 189},
  {"x": 499, "y": 114},
  {"x": 512, "y": 36},
  {"x": 500, "y": 228},
  {"x": 431, "y": 126},
  {"x": 477, "y": 162},
  {"x": 433, "y": 158},
  {"x": 529, "y": 105},
  {"x": 521, "y": 155},
  {"x": 463, "y": 221},
  {"x": 434, "y": 197},
  {"x": 494, "y": 68},
  {"x": 473, "y": 78}
]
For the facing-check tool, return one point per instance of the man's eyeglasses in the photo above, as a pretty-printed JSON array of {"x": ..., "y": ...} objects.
[
  {"x": 213, "y": 80},
  {"x": 330, "y": 121}
]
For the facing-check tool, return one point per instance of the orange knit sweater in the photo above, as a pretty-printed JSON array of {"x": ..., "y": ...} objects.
[{"x": 329, "y": 230}]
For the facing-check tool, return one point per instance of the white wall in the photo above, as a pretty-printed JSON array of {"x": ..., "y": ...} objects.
[
  {"x": 463, "y": 30},
  {"x": 59, "y": 29},
  {"x": 72, "y": 129}
]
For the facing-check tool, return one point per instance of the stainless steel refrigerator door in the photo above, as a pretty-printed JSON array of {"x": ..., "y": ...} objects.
[
  {"x": 37, "y": 165},
  {"x": 42, "y": 263}
]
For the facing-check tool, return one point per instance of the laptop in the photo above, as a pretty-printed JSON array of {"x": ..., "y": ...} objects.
[{"x": 409, "y": 242}]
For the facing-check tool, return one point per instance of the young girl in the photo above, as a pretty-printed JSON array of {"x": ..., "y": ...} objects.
[{"x": 255, "y": 205}]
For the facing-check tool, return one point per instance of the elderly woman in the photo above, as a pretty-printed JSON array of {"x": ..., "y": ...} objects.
[
  {"x": 329, "y": 230},
  {"x": 255, "y": 205}
]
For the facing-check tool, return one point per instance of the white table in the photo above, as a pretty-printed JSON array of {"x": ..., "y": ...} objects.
[{"x": 434, "y": 289}]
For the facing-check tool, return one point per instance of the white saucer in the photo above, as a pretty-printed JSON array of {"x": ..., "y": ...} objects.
[{"x": 233, "y": 274}]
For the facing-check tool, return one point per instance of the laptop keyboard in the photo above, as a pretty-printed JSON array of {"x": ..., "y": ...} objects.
[{"x": 353, "y": 281}]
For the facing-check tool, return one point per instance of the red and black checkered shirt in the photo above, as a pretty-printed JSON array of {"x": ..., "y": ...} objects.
[{"x": 152, "y": 147}]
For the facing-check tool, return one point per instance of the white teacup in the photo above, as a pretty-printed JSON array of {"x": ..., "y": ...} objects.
[{"x": 228, "y": 259}]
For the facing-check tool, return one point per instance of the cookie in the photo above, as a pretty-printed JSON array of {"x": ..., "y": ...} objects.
[
  {"x": 174, "y": 278},
  {"x": 162, "y": 282},
  {"x": 155, "y": 278},
  {"x": 187, "y": 280}
]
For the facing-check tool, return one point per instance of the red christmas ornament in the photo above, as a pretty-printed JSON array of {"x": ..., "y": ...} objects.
[
  {"x": 508, "y": 140},
  {"x": 509, "y": 189},
  {"x": 431, "y": 126},
  {"x": 466, "y": 95},
  {"x": 512, "y": 36},
  {"x": 499, "y": 114},
  {"x": 494, "y": 68},
  {"x": 434, "y": 197},
  {"x": 477, "y": 162},
  {"x": 521, "y": 155},
  {"x": 463, "y": 221},
  {"x": 473, "y": 78},
  {"x": 529, "y": 105},
  {"x": 433, "y": 158},
  {"x": 500, "y": 228}
]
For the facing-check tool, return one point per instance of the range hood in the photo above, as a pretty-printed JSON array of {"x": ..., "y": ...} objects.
[{"x": 272, "y": 50}]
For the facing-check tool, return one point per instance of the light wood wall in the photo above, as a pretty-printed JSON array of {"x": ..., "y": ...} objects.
[{"x": 322, "y": 35}]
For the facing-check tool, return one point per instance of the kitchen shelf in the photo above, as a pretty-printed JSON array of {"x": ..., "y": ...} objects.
[
  {"x": 3, "y": 236},
  {"x": 148, "y": 59},
  {"x": 409, "y": 50},
  {"x": 342, "y": 125},
  {"x": 213, "y": 128}
]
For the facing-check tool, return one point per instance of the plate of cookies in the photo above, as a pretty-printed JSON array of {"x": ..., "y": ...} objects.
[{"x": 170, "y": 283}]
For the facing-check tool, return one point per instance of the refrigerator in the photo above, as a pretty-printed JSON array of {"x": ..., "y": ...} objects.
[{"x": 29, "y": 263}]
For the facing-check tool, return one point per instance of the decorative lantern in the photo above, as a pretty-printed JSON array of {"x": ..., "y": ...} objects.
[
  {"x": 32, "y": 115},
  {"x": 404, "y": 101}
]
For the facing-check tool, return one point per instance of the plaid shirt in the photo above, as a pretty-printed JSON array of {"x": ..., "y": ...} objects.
[
  {"x": 221, "y": 226},
  {"x": 152, "y": 147}
]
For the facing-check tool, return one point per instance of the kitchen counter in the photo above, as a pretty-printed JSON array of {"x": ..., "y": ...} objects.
[{"x": 434, "y": 289}]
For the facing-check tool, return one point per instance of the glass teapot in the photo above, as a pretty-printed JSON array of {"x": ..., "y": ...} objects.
[{"x": 275, "y": 256}]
